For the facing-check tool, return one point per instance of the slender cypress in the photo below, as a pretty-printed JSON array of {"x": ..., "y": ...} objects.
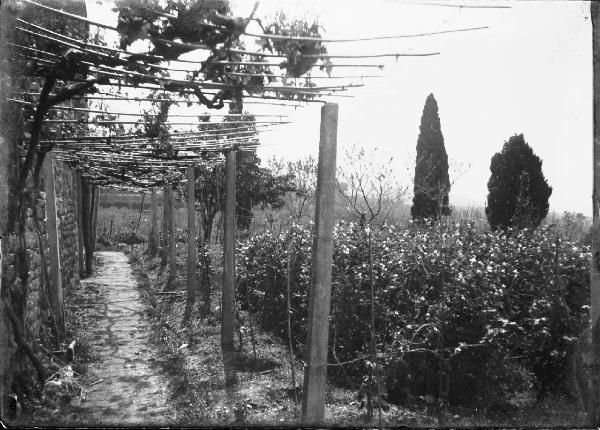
[{"x": 432, "y": 183}]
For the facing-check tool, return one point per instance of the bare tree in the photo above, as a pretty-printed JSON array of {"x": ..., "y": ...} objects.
[
  {"x": 303, "y": 178},
  {"x": 368, "y": 187}
]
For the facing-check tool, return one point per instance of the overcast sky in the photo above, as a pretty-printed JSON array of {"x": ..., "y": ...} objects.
[{"x": 530, "y": 73}]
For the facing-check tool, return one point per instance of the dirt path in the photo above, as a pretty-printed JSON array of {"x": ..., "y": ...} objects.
[{"x": 130, "y": 391}]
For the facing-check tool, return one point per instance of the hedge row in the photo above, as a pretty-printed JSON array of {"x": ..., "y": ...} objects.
[{"x": 462, "y": 315}]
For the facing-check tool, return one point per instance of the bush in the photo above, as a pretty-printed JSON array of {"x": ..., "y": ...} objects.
[{"x": 477, "y": 311}]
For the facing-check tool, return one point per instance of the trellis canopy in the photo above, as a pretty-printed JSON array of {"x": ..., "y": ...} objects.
[{"x": 77, "y": 78}]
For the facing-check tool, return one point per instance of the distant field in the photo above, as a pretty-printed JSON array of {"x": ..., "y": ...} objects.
[{"x": 110, "y": 198}]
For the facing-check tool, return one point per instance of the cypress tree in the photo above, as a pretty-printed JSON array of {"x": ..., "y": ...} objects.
[
  {"x": 432, "y": 183},
  {"x": 518, "y": 191}
]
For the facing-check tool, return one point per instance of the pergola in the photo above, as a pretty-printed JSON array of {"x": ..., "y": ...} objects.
[{"x": 164, "y": 148}]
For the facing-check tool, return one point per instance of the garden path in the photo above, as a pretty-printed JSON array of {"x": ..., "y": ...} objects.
[{"x": 130, "y": 390}]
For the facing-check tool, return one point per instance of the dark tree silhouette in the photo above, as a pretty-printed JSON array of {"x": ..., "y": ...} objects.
[
  {"x": 518, "y": 191},
  {"x": 432, "y": 183}
]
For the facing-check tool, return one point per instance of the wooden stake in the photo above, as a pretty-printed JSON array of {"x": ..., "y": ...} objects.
[
  {"x": 95, "y": 208},
  {"x": 227, "y": 298},
  {"x": 172, "y": 242},
  {"x": 594, "y": 412},
  {"x": 192, "y": 279},
  {"x": 153, "y": 239},
  {"x": 79, "y": 207},
  {"x": 315, "y": 373},
  {"x": 86, "y": 202},
  {"x": 56, "y": 287},
  {"x": 165, "y": 227}
]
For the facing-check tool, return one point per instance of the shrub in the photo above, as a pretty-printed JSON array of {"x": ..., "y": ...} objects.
[{"x": 477, "y": 311}]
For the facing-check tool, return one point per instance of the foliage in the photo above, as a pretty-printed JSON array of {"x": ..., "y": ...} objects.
[
  {"x": 478, "y": 310},
  {"x": 208, "y": 25},
  {"x": 302, "y": 174},
  {"x": 185, "y": 20},
  {"x": 255, "y": 185},
  {"x": 300, "y": 55},
  {"x": 575, "y": 226},
  {"x": 432, "y": 183},
  {"x": 518, "y": 191}
]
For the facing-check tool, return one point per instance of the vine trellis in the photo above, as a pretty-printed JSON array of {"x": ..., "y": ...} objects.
[
  {"x": 83, "y": 65},
  {"x": 64, "y": 71}
]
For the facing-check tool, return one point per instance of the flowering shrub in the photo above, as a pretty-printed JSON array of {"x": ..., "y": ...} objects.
[{"x": 461, "y": 315}]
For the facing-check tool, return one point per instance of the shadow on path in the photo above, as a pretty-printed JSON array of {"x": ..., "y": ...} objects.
[{"x": 131, "y": 390}]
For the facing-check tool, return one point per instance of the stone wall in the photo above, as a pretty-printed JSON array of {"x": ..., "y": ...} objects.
[
  {"x": 66, "y": 208},
  {"x": 26, "y": 315},
  {"x": 26, "y": 278}
]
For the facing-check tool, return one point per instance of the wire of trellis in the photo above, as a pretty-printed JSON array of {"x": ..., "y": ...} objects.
[
  {"x": 269, "y": 36},
  {"x": 107, "y": 159},
  {"x": 74, "y": 109}
]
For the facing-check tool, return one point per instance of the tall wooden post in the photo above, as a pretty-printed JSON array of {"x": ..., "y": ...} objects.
[
  {"x": 95, "y": 208},
  {"x": 56, "y": 287},
  {"x": 192, "y": 278},
  {"x": 315, "y": 373},
  {"x": 79, "y": 208},
  {"x": 165, "y": 227},
  {"x": 153, "y": 239},
  {"x": 594, "y": 413},
  {"x": 172, "y": 241},
  {"x": 227, "y": 297},
  {"x": 86, "y": 203}
]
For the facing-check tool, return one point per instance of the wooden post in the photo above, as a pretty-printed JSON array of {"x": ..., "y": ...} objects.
[
  {"x": 86, "y": 203},
  {"x": 153, "y": 239},
  {"x": 165, "y": 227},
  {"x": 56, "y": 287},
  {"x": 79, "y": 208},
  {"x": 95, "y": 208},
  {"x": 192, "y": 278},
  {"x": 227, "y": 297},
  {"x": 172, "y": 241},
  {"x": 315, "y": 373},
  {"x": 204, "y": 279},
  {"x": 594, "y": 412}
]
